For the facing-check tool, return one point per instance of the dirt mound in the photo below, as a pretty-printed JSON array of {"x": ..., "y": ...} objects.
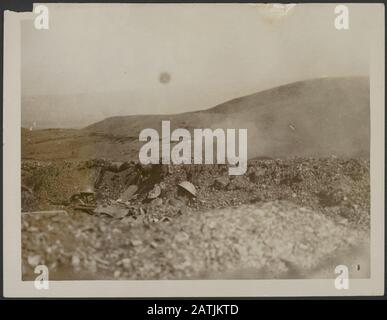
[
  {"x": 336, "y": 187},
  {"x": 274, "y": 239},
  {"x": 284, "y": 218}
]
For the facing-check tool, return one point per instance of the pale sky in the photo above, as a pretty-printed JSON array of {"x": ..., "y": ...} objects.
[{"x": 212, "y": 53}]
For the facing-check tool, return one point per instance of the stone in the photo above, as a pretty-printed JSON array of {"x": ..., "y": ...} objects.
[
  {"x": 221, "y": 183},
  {"x": 181, "y": 236},
  {"x": 155, "y": 192},
  {"x": 129, "y": 193},
  {"x": 114, "y": 211}
]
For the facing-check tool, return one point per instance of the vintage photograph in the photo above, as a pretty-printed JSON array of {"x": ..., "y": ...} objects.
[{"x": 196, "y": 142}]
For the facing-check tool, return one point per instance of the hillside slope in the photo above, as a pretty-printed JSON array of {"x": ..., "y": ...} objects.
[{"x": 317, "y": 118}]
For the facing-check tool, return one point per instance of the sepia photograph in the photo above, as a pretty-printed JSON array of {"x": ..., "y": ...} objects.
[{"x": 199, "y": 142}]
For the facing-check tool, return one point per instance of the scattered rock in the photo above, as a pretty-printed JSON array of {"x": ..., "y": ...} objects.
[
  {"x": 221, "y": 183},
  {"x": 255, "y": 174},
  {"x": 75, "y": 261},
  {"x": 33, "y": 261},
  {"x": 222, "y": 233},
  {"x": 153, "y": 244},
  {"x": 177, "y": 203},
  {"x": 205, "y": 245},
  {"x": 126, "y": 263},
  {"x": 183, "y": 210},
  {"x": 157, "y": 202},
  {"x": 114, "y": 211},
  {"x": 181, "y": 236},
  {"x": 238, "y": 183},
  {"x": 128, "y": 220},
  {"x": 329, "y": 198},
  {"x": 155, "y": 192},
  {"x": 128, "y": 194},
  {"x": 136, "y": 243}
]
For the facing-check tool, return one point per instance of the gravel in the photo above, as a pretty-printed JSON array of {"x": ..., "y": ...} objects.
[{"x": 293, "y": 218}]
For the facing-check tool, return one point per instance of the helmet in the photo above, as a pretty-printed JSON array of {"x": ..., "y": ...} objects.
[{"x": 188, "y": 186}]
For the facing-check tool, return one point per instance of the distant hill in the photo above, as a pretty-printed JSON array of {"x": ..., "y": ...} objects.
[{"x": 319, "y": 117}]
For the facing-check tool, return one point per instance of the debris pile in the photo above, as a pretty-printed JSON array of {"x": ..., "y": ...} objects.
[
  {"x": 333, "y": 186},
  {"x": 270, "y": 240},
  {"x": 114, "y": 211}
]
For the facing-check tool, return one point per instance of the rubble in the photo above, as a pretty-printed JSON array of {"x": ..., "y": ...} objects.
[
  {"x": 84, "y": 201},
  {"x": 331, "y": 185},
  {"x": 46, "y": 212},
  {"x": 116, "y": 211},
  {"x": 221, "y": 183},
  {"x": 155, "y": 192},
  {"x": 129, "y": 193},
  {"x": 239, "y": 183},
  {"x": 275, "y": 239},
  {"x": 157, "y": 202},
  {"x": 95, "y": 209}
]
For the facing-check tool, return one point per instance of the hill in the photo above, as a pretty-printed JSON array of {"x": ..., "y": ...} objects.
[{"x": 313, "y": 118}]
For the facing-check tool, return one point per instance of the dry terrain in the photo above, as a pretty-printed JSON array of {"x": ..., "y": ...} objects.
[{"x": 91, "y": 211}]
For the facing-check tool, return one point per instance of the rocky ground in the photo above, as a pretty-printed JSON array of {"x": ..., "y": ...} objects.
[{"x": 294, "y": 218}]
